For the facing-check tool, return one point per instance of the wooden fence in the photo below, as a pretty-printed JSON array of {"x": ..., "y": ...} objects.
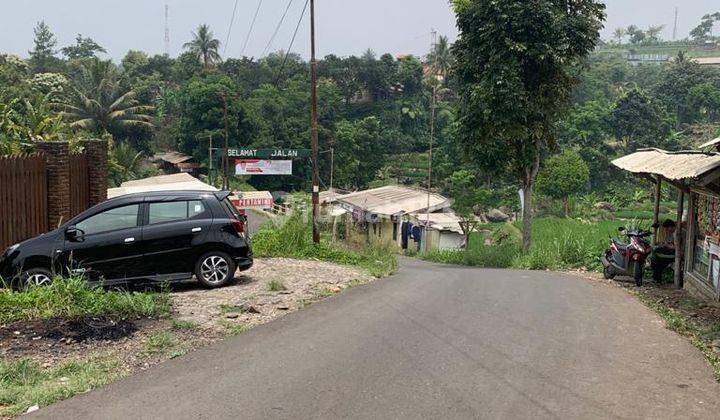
[
  {"x": 23, "y": 198},
  {"x": 79, "y": 187}
]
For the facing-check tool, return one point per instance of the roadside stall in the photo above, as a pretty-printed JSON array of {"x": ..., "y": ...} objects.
[{"x": 696, "y": 176}]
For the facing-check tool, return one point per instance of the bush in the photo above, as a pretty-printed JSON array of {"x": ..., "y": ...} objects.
[
  {"x": 73, "y": 297},
  {"x": 494, "y": 256}
]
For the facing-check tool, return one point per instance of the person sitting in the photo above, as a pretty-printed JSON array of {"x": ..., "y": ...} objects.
[{"x": 664, "y": 253}]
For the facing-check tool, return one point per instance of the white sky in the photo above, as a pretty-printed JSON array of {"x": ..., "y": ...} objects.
[{"x": 344, "y": 26}]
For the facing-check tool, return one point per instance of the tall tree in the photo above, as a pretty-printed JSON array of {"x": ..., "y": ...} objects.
[
  {"x": 83, "y": 48},
  {"x": 515, "y": 62},
  {"x": 42, "y": 56},
  {"x": 204, "y": 46},
  {"x": 653, "y": 33}
]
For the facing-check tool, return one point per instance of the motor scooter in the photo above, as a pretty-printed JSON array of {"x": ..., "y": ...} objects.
[{"x": 627, "y": 259}]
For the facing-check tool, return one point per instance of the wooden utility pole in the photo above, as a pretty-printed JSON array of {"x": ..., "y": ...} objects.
[
  {"x": 314, "y": 127},
  {"x": 226, "y": 183}
]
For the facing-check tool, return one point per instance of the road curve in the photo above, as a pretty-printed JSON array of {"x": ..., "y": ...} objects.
[{"x": 433, "y": 342}]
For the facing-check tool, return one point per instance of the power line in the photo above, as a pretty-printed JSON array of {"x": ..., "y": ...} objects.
[
  {"x": 292, "y": 41},
  {"x": 277, "y": 28},
  {"x": 232, "y": 21},
  {"x": 252, "y": 25}
]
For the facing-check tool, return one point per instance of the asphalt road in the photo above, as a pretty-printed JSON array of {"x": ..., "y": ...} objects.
[{"x": 433, "y": 342}]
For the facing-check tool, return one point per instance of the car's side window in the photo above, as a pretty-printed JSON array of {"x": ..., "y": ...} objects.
[
  {"x": 114, "y": 219},
  {"x": 175, "y": 210}
]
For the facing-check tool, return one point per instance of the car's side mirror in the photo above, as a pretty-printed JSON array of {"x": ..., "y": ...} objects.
[{"x": 72, "y": 233}]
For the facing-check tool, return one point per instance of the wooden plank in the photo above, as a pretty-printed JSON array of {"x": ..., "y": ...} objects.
[{"x": 679, "y": 240}]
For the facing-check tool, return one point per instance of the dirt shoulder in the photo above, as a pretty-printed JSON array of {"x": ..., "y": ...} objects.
[
  {"x": 271, "y": 289},
  {"x": 697, "y": 320}
]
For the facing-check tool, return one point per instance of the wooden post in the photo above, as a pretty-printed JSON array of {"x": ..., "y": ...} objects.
[
  {"x": 679, "y": 244},
  {"x": 656, "y": 214}
]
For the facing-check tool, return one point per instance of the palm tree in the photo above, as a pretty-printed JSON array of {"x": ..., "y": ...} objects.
[
  {"x": 204, "y": 46},
  {"x": 125, "y": 164},
  {"x": 100, "y": 105},
  {"x": 440, "y": 58}
]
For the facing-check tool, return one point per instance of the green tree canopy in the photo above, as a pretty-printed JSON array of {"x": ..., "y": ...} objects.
[
  {"x": 564, "y": 176},
  {"x": 83, "y": 48},
  {"x": 514, "y": 67}
]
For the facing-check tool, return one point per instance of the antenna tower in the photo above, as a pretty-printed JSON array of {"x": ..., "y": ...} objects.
[{"x": 675, "y": 26}]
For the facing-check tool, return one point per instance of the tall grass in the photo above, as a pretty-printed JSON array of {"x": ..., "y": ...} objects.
[
  {"x": 558, "y": 244},
  {"x": 291, "y": 237},
  {"x": 72, "y": 297}
]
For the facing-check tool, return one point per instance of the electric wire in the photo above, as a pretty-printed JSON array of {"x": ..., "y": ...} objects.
[
  {"x": 277, "y": 28},
  {"x": 292, "y": 41},
  {"x": 232, "y": 21},
  {"x": 252, "y": 25}
]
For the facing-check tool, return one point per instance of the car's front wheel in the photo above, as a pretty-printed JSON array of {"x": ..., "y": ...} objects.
[
  {"x": 36, "y": 277},
  {"x": 215, "y": 269}
]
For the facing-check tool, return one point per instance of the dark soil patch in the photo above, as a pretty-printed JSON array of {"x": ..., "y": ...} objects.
[{"x": 29, "y": 336}]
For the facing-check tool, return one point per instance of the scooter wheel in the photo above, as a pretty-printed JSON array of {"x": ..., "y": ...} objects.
[{"x": 608, "y": 272}]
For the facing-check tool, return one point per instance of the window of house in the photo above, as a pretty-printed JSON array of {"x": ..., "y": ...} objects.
[{"x": 114, "y": 219}]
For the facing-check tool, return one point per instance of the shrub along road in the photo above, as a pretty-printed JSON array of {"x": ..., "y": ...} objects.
[{"x": 433, "y": 341}]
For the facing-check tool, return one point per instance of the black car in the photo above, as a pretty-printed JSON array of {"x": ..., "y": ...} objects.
[{"x": 157, "y": 236}]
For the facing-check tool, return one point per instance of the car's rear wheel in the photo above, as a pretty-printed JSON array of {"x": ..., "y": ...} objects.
[
  {"x": 36, "y": 277},
  {"x": 215, "y": 269}
]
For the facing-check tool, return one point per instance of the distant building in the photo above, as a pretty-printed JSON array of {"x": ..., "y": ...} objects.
[
  {"x": 636, "y": 59},
  {"x": 176, "y": 162},
  {"x": 395, "y": 214}
]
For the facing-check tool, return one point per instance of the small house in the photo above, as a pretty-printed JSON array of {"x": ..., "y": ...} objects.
[{"x": 385, "y": 212}]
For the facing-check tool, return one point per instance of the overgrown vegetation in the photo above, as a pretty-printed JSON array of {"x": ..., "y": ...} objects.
[
  {"x": 73, "y": 297},
  {"x": 292, "y": 237},
  {"x": 25, "y": 383},
  {"x": 560, "y": 244}
]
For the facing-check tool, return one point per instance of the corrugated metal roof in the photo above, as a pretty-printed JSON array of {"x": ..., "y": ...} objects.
[
  {"x": 173, "y": 157},
  {"x": 393, "y": 200},
  {"x": 670, "y": 165},
  {"x": 441, "y": 221}
]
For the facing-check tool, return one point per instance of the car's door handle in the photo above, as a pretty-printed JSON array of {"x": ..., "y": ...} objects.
[
  {"x": 128, "y": 240},
  {"x": 197, "y": 229}
]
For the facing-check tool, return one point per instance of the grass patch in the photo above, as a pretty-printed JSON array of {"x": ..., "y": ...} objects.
[
  {"x": 181, "y": 325},
  {"x": 160, "y": 342},
  {"x": 72, "y": 297},
  {"x": 234, "y": 328},
  {"x": 276, "y": 286},
  {"x": 292, "y": 238},
  {"x": 24, "y": 383}
]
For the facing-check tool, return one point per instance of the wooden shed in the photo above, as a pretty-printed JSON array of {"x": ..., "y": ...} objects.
[{"x": 696, "y": 175}]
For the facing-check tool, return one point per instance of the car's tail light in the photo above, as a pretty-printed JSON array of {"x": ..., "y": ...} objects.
[{"x": 239, "y": 226}]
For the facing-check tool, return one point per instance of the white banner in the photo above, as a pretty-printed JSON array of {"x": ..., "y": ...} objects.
[{"x": 263, "y": 167}]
